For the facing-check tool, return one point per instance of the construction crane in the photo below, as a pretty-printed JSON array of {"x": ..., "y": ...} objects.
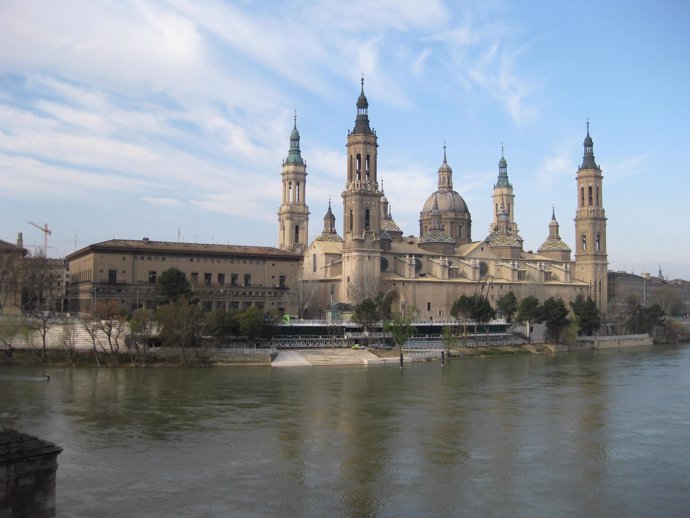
[{"x": 46, "y": 232}]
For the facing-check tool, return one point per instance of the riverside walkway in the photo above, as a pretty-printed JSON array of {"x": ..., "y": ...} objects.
[{"x": 310, "y": 357}]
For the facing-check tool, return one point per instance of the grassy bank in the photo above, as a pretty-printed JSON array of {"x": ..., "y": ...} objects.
[{"x": 60, "y": 358}]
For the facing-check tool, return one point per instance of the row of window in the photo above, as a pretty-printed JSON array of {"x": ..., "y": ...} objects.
[{"x": 176, "y": 259}]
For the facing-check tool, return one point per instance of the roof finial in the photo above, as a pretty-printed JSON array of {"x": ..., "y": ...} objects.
[
  {"x": 501, "y": 149},
  {"x": 362, "y": 82},
  {"x": 587, "y": 125},
  {"x": 553, "y": 212},
  {"x": 444, "y": 152},
  {"x": 295, "y": 118},
  {"x": 381, "y": 183}
]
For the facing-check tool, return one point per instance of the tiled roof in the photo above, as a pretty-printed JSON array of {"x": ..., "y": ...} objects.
[{"x": 144, "y": 246}]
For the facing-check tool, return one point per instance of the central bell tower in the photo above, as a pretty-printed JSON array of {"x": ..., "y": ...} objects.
[
  {"x": 362, "y": 214},
  {"x": 591, "y": 261}
]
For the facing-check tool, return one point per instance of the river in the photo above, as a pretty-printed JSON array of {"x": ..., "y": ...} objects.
[{"x": 603, "y": 433}]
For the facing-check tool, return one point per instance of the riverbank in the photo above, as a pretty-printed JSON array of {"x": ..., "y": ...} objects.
[
  {"x": 284, "y": 358},
  {"x": 177, "y": 357}
]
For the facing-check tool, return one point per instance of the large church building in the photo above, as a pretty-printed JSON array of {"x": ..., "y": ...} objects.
[{"x": 431, "y": 270}]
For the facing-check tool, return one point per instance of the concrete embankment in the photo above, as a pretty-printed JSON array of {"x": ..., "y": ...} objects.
[{"x": 603, "y": 342}]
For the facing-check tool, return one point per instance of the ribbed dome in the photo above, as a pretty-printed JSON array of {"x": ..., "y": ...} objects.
[{"x": 448, "y": 201}]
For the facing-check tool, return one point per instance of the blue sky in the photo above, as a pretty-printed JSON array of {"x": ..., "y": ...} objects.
[{"x": 167, "y": 119}]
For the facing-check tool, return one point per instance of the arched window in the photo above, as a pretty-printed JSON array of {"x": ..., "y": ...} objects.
[
  {"x": 313, "y": 263},
  {"x": 597, "y": 243},
  {"x": 297, "y": 192},
  {"x": 598, "y": 197},
  {"x": 366, "y": 219},
  {"x": 589, "y": 192},
  {"x": 582, "y": 196},
  {"x": 584, "y": 243},
  {"x": 350, "y": 221},
  {"x": 359, "y": 168},
  {"x": 289, "y": 192},
  {"x": 296, "y": 233},
  {"x": 366, "y": 169}
]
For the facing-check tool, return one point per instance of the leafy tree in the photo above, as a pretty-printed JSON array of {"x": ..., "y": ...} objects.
[
  {"x": 587, "y": 315},
  {"x": 219, "y": 323},
  {"x": 651, "y": 317},
  {"x": 179, "y": 324},
  {"x": 448, "y": 337},
  {"x": 401, "y": 329},
  {"x": 476, "y": 308},
  {"x": 255, "y": 324},
  {"x": 507, "y": 305},
  {"x": 172, "y": 286},
  {"x": 529, "y": 310},
  {"x": 366, "y": 313},
  {"x": 555, "y": 316},
  {"x": 141, "y": 328},
  {"x": 640, "y": 319}
]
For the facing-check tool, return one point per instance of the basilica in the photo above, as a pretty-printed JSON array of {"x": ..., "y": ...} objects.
[{"x": 429, "y": 271}]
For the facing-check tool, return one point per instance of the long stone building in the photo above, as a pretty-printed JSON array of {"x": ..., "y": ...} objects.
[{"x": 223, "y": 276}]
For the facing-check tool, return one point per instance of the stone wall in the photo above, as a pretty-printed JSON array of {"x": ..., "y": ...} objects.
[{"x": 28, "y": 467}]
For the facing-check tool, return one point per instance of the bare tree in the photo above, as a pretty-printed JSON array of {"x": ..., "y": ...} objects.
[
  {"x": 12, "y": 329},
  {"x": 68, "y": 338},
  {"x": 364, "y": 285},
  {"x": 38, "y": 295},
  {"x": 111, "y": 322},
  {"x": 301, "y": 295},
  {"x": 91, "y": 326}
]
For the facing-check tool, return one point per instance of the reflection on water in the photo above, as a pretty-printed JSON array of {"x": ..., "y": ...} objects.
[{"x": 587, "y": 434}]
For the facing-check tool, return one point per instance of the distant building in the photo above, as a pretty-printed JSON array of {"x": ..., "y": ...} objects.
[
  {"x": 645, "y": 289},
  {"x": 11, "y": 264},
  {"x": 223, "y": 276}
]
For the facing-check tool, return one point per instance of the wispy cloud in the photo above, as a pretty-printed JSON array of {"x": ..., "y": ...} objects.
[{"x": 622, "y": 168}]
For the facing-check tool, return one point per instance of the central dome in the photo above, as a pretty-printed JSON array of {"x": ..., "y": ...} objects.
[{"x": 448, "y": 201}]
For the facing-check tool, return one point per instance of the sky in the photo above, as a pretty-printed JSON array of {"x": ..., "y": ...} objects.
[{"x": 170, "y": 119}]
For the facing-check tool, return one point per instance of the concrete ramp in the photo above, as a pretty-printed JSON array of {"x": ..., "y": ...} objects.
[
  {"x": 306, "y": 357},
  {"x": 289, "y": 359}
]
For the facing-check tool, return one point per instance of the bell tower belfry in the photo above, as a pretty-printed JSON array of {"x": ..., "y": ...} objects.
[
  {"x": 293, "y": 215},
  {"x": 362, "y": 212},
  {"x": 591, "y": 262}
]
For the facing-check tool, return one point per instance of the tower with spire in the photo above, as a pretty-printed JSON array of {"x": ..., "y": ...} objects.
[
  {"x": 503, "y": 196},
  {"x": 293, "y": 215},
  {"x": 591, "y": 262},
  {"x": 554, "y": 247},
  {"x": 361, "y": 207}
]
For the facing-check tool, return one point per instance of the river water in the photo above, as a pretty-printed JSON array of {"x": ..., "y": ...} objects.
[{"x": 590, "y": 434}]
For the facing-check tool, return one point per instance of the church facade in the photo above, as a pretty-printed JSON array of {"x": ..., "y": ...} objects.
[{"x": 431, "y": 270}]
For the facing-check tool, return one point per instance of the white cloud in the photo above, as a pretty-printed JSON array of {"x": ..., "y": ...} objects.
[
  {"x": 162, "y": 202},
  {"x": 554, "y": 169}
]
